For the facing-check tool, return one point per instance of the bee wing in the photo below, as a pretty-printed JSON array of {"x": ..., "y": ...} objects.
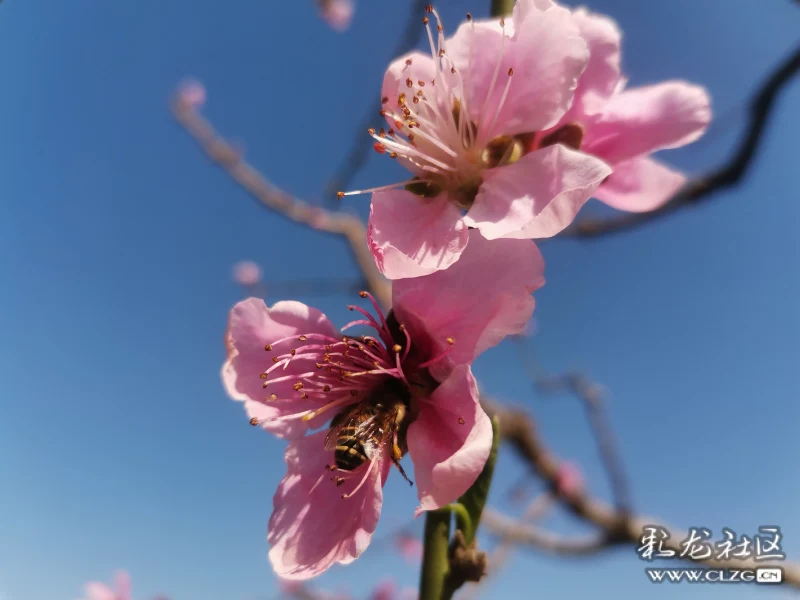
[
  {"x": 377, "y": 433},
  {"x": 351, "y": 417}
]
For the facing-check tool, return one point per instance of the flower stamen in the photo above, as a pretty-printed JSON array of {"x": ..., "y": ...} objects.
[
  {"x": 450, "y": 344},
  {"x": 367, "y": 473}
]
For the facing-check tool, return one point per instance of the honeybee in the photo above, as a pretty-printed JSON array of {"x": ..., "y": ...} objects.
[{"x": 363, "y": 432}]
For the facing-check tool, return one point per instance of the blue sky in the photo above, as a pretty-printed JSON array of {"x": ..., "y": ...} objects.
[{"x": 118, "y": 446}]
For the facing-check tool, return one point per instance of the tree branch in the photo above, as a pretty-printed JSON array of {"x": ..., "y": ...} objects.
[
  {"x": 350, "y": 227},
  {"x": 616, "y": 528},
  {"x": 701, "y": 188},
  {"x": 514, "y": 531},
  {"x": 591, "y": 395}
]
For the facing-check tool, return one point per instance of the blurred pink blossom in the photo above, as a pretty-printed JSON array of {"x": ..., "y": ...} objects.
[
  {"x": 246, "y": 273},
  {"x": 569, "y": 480},
  {"x": 458, "y": 119},
  {"x": 384, "y": 591},
  {"x": 416, "y": 368},
  {"x": 290, "y": 586},
  {"x": 387, "y": 590},
  {"x": 409, "y": 593},
  {"x": 410, "y": 547},
  {"x": 337, "y": 13},
  {"x": 100, "y": 591},
  {"x": 192, "y": 94},
  {"x": 623, "y": 126}
]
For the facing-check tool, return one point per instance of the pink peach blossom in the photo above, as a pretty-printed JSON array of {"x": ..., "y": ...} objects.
[
  {"x": 291, "y": 586},
  {"x": 294, "y": 371},
  {"x": 337, "y": 13},
  {"x": 459, "y": 120},
  {"x": 100, "y": 591},
  {"x": 246, "y": 273},
  {"x": 192, "y": 94},
  {"x": 623, "y": 126},
  {"x": 569, "y": 479},
  {"x": 387, "y": 590},
  {"x": 410, "y": 547}
]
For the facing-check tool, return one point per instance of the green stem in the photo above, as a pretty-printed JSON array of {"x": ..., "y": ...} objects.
[
  {"x": 435, "y": 563},
  {"x": 501, "y": 8},
  {"x": 463, "y": 520},
  {"x": 473, "y": 501},
  {"x": 436, "y": 582}
]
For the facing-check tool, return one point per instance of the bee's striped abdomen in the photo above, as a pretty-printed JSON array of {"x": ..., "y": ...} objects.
[{"x": 349, "y": 453}]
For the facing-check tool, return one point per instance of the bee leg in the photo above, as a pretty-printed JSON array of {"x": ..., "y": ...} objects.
[
  {"x": 400, "y": 468},
  {"x": 397, "y": 454}
]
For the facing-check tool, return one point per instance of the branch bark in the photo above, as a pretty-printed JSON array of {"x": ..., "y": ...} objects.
[
  {"x": 591, "y": 395},
  {"x": 615, "y": 528},
  {"x": 349, "y": 227}
]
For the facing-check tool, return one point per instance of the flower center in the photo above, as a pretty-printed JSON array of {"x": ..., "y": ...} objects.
[
  {"x": 432, "y": 135},
  {"x": 374, "y": 381},
  {"x": 339, "y": 368}
]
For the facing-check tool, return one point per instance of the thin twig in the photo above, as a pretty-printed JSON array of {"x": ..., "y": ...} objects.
[
  {"x": 591, "y": 396},
  {"x": 616, "y": 529},
  {"x": 350, "y": 227},
  {"x": 701, "y": 188},
  {"x": 516, "y": 532},
  {"x": 356, "y": 157}
]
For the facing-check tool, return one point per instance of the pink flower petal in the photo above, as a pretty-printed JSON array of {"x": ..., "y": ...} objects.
[
  {"x": 524, "y": 9},
  {"x": 411, "y": 236},
  {"x": 639, "y": 185},
  {"x": 537, "y": 196},
  {"x": 601, "y": 77},
  {"x": 449, "y": 441},
  {"x": 312, "y": 527},
  {"x": 547, "y": 56},
  {"x": 502, "y": 273},
  {"x": 476, "y": 49},
  {"x": 99, "y": 591},
  {"x": 415, "y": 66},
  {"x": 251, "y": 326},
  {"x": 645, "y": 119}
]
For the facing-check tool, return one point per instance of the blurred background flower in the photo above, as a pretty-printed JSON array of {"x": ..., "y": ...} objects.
[{"x": 337, "y": 13}]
